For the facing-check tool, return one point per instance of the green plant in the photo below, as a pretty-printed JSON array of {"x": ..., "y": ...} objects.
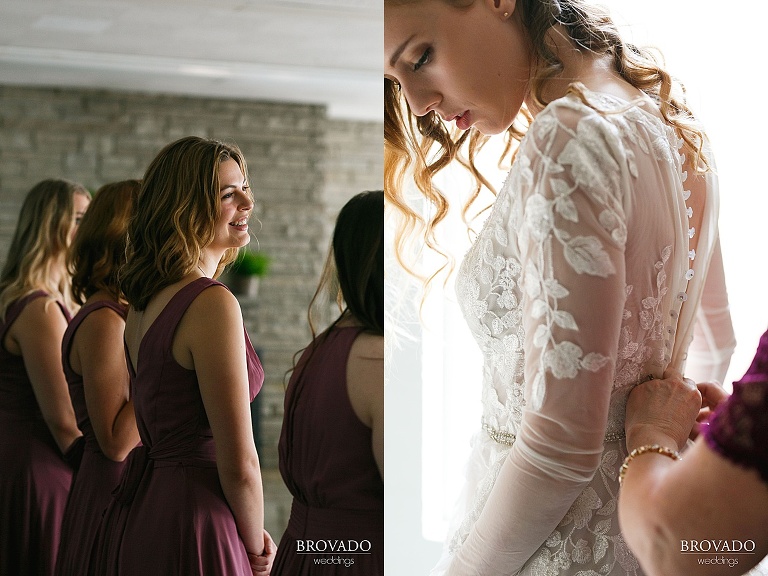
[{"x": 251, "y": 263}]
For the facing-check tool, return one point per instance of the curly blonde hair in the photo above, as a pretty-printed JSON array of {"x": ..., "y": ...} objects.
[
  {"x": 39, "y": 245},
  {"x": 422, "y": 146},
  {"x": 175, "y": 216}
]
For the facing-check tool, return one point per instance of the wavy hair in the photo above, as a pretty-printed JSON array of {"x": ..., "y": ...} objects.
[
  {"x": 175, "y": 216},
  {"x": 40, "y": 242},
  {"x": 422, "y": 146},
  {"x": 98, "y": 250}
]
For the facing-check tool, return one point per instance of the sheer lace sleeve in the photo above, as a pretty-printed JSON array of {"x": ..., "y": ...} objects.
[
  {"x": 571, "y": 230},
  {"x": 713, "y": 339}
]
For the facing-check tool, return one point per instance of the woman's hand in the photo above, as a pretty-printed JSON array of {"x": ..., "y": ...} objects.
[
  {"x": 663, "y": 411},
  {"x": 262, "y": 565},
  {"x": 712, "y": 394}
]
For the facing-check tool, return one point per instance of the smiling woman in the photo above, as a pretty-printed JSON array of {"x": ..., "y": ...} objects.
[
  {"x": 610, "y": 206},
  {"x": 192, "y": 378}
]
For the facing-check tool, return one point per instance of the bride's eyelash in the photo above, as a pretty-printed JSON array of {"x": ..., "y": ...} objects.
[{"x": 425, "y": 58}]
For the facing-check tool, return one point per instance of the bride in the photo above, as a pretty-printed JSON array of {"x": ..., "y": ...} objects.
[{"x": 598, "y": 262}]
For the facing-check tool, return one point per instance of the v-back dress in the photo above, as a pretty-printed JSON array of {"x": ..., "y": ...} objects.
[
  {"x": 326, "y": 461},
  {"x": 34, "y": 478},
  {"x": 169, "y": 515},
  {"x": 97, "y": 476},
  {"x": 580, "y": 284}
]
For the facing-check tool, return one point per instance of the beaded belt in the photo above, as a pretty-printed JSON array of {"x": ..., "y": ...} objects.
[{"x": 507, "y": 438}]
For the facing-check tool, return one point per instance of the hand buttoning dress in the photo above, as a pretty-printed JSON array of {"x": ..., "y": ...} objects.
[
  {"x": 580, "y": 284},
  {"x": 738, "y": 429}
]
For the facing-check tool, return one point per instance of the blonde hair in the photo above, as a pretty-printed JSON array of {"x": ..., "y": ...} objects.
[
  {"x": 39, "y": 245},
  {"x": 175, "y": 216},
  {"x": 409, "y": 140},
  {"x": 98, "y": 251}
]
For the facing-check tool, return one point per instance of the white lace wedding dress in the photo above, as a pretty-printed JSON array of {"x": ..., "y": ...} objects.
[{"x": 582, "y": 282}]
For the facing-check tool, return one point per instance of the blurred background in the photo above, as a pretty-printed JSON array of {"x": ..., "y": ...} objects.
[{"x": 92, "y": 90}]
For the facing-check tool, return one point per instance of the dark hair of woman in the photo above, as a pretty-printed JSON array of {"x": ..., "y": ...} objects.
[{"x": 353, "y": 275}]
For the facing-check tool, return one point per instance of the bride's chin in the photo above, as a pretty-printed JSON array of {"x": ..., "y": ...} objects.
[{"x": 488, "y": 129}]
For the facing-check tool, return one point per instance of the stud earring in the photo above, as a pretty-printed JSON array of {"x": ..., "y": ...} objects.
[{"x": 506, "y": 14}]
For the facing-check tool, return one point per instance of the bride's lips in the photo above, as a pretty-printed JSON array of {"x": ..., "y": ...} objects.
[{"x": 464, "y": 120}]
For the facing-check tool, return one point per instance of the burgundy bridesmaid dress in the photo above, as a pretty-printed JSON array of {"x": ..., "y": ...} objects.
[
  {"x": 34, "y": 478},
  {"x": 337, "y": 517},
  {"x": 97, "y": 476},
  {"x": 169, "y": 515}
]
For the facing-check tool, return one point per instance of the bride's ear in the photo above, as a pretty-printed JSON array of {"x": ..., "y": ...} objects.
[{"x": 503, "y": 8}]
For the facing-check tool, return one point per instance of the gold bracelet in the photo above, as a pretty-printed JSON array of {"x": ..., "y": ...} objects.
[{"x": 654, "y": 448}]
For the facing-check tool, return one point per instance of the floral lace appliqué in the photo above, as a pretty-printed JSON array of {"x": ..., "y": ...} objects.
[{"x": 495, "y": 282}]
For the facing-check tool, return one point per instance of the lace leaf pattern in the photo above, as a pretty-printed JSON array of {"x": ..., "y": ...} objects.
[
  {"x": 492, "y": 286},
  {"x": 488, "y": 287},
  {"x": 636, "y": 354},
  {"x": 549, "y": 205},
  {"x": 589, "y": 533}
]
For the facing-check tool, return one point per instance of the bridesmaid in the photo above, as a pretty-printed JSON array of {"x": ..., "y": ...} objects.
[
  {"x": 190, "y": 501},
  {"x": 332, "y": 441},
  {"x": 38, "y": 431},
  {"x": 95, "y": 368}
]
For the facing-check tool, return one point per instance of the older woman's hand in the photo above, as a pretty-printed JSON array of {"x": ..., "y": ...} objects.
[
  {"x": 712, "y": 394},
  {"x": 662, "y": 411}
]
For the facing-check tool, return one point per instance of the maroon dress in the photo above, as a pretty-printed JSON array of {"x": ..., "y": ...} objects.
[
  {"x": 337, "y": 518},
  {"x": 97, "y": 476},
  {"x": 169, "y": 515},
  {"x": 738, "y": 429},
  {"x": 34, "y": 478}
]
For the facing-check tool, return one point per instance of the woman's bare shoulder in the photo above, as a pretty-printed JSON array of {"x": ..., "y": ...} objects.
[{"x": 368, "y": 347}]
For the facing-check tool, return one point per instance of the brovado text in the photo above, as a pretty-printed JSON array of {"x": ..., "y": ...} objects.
[
  {"x": 717, "y": 546},
  {"x": 321, "y": 546}
]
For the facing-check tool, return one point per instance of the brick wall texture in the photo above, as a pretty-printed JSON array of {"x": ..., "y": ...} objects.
[{"x": 303, "y": 167}]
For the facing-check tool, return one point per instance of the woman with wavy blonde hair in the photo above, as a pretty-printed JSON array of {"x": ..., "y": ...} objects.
[
  {"x": 38, "y": 433},
  {"x": 94, "y": 364},
  {"x": 190, "y": 499},
  {"x": 598, "y": 256}
]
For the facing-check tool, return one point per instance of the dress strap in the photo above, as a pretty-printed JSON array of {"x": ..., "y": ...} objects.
[
  {"x": 15, "y": 309},
  {"x": 69, "y": 335},
  {"x": 164, "y": 326}
]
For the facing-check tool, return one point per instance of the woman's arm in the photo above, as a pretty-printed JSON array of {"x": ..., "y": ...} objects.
[
  {"x": 38, "y": 332},
  {"x": 98, "y": 351},
  {"x": 365, "y": 386},
  {"x": 713, "y": 338},
  {"x": 212, "y": 329},
  {"x": 664, "y": 505},
  {"x": 571, "y": 238}
]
